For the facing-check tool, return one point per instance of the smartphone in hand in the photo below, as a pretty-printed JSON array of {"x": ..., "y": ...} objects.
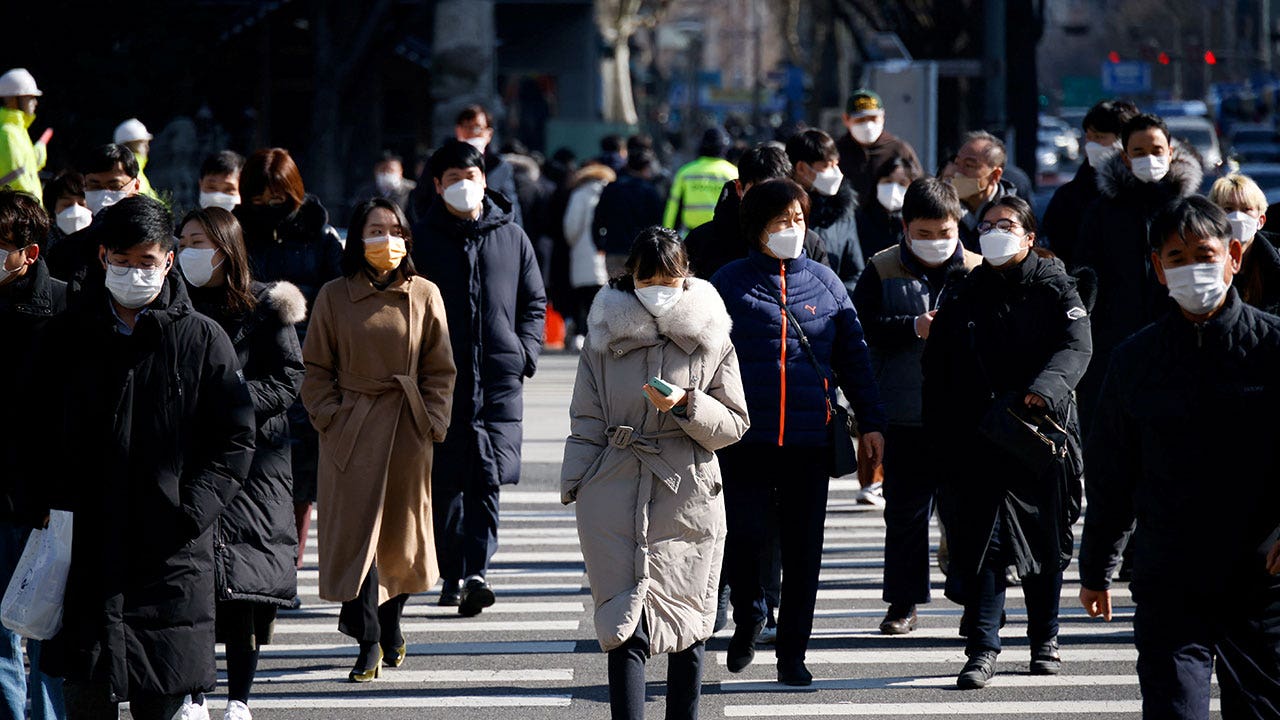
[{"x": 657, "y": 384}]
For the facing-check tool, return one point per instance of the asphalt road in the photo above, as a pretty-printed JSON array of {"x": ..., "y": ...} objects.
[{"x": 533, "y": 655}]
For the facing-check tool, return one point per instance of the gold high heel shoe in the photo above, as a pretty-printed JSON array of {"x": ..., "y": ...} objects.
[
  {"x": 368, "y": 666},
  {"x": 396, "y": 658}
]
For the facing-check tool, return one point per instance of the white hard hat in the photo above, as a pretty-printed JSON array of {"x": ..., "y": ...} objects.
[
  {"x": 18, "y": 82},
  {"x": 130, "y": 130}
]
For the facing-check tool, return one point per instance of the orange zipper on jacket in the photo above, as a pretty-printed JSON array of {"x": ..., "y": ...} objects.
[{"x": 782, "y": 403}]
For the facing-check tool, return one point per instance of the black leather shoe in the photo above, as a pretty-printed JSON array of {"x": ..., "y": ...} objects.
[
  {"x": 451, "y": 594},
  {"x": 722, "y": 610},
  {"x": 742, "y": 647},
  {"x": 368, "y": 664},
  {"x": 794, "y": 673},
  {"x": 980, "y": 669},
  {"x": 476, "y": 596},
  {"x": 1045, "y": 658},
  {"x": 900, "y": 620}
]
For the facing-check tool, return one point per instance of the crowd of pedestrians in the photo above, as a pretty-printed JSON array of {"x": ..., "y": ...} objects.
[{"x": 196, "y": 386}]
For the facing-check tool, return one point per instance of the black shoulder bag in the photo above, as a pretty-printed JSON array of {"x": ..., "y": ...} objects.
[{"x": 840, "y": 426}]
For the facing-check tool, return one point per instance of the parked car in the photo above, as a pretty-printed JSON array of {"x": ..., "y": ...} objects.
[
  {"x": 1254, "y": 143},
  {"x": 1199, "y": 133},
  {"x": 1056, "y": 133}
]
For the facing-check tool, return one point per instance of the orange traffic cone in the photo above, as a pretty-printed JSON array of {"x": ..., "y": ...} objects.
[{"x": 553, "y": 336}]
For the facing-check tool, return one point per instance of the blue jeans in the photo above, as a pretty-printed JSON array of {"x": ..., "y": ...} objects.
[{"x": 46, "y": 692}]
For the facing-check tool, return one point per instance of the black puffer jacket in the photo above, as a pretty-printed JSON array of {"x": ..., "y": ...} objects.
[
  {"x": 1005, "y": 334},
  {"x": 150, "y": 436},
  {"x": 1259, "y": 276},
  {"x": 1114, "y": 241},
  {"x": 1185, "y": 404},
  {"x": 834, "y": 219},
  {"x": 496, "y": 306},
  {"x": 1060, "y": 229},
  {"x": 256, "y": 540}
]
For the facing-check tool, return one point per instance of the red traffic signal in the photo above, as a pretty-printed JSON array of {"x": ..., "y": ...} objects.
[
  {"x": 1113, "y": 56},
  {"x": 1210, "y": 58},
  {"x": 1163, "y": 58}
]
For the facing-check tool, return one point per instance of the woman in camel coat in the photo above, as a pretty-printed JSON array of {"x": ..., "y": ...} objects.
[{"x": 378, "y": 389}]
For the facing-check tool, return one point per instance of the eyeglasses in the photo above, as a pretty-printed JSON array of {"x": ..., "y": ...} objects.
[
  {"x": 1005, "y": 225},
  {"x": 122, "y": 270}
]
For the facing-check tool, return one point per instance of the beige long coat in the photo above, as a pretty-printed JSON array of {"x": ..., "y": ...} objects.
[
  {"x": 378, "y": 388},
  {"x": 647, "y": 484}
]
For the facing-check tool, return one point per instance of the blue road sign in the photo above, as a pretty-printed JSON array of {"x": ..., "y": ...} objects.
[{"x": 1126, "y": 78}]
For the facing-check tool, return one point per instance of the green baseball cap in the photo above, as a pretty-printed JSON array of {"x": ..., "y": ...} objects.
[{"x": 864, "y": 102}]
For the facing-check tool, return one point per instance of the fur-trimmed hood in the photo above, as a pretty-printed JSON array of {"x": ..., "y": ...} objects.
[
  {"x": 285, "y": 300},
  {"x": 619, "y": 323},
  {"x": 593, "y": 171},
  {"x": 1185, "y": 175}
]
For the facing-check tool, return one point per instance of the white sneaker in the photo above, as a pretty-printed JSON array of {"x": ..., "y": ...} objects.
[
  {"x": 191, "y": 710},
  {"x": 872, "y": 494},
  {"x": 237, "y": 710}
]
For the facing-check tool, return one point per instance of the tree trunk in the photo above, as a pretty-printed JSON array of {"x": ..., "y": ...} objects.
[
  {"x": 323, "y": 175},
  {"x": 620, "y": 104}
]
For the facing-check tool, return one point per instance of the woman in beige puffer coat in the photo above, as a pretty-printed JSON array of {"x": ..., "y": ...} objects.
[{"x": 642, "y": 468}]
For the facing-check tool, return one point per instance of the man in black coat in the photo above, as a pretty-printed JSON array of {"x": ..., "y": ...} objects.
[
  {"x": 150, "y": 427},
  {"x": 1205, "y": 563},
  {"x": 29, "y": 299},
  {"x": 474, "y": 126},
  {"x": 627, "y": 206},
  {"x": 1060, "y": 229},
  {"x": 832, "y": 202},
  {"x": 1115, "y": 240},
  {"x": 715, "y": 244},
  {"x": 868, "y": 146},
  {"x": 484, "y": 265}
]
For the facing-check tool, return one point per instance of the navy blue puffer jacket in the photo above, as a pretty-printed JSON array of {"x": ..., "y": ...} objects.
[{"x": 785, "y": 399}]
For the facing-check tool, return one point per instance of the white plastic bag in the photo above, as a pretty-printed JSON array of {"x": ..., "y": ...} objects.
[{"x": 32, "y": 605}]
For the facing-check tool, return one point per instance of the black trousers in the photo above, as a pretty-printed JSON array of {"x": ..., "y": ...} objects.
[
  {"x": 1042, "y": 593},
  {"x": 1181, "y": 642},
  {"x": 368, "y": 622},
  {"x": 910, "y": 489},
  {"x": 92, "y": 701},
  {"x": 760, "y": 480},
  {"x": 626, "y": 678},
  {"x": 465, "y": 514}
]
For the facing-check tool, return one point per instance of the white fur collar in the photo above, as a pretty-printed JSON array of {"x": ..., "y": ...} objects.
[{"x": 618, "y": 321}]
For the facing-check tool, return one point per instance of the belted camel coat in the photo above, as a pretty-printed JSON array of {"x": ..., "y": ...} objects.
[
  {"x": 378, "y": 389},
  {"x": 647, "y": 484}
]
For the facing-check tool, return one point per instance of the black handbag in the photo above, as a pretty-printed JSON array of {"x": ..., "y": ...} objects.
[{"x": 843, "y": 458}]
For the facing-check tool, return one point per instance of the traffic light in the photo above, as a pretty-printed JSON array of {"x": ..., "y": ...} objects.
[
  {"x": 1210, "y": 58},
  {"x": 1113, "y": 57}
]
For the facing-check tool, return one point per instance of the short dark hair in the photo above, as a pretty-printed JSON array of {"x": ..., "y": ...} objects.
[
  {"x": 1140, "y": 122},
  {"x": 227, "y": 162},
  {"x": 389, "y": 156},
  {"x": 715, "y": 142},
  {"x": 640, "y": 160},
  {"x": 611, "y": 144},
  {"x": 889, "y": 166},
  {"x": 104, "y": 158},
  {"x": 471, "y": 112},
  {"x": 766, "y": 161},
  {"x": 636, "y": 143},
  {"x": 1109, "y": 116},
  {"x": 67, "y": 183},
  {"x": 811, "y": 146},
  {"x": 22, "y": 221},
  {"x": 353, "y": 252},
  {"x": 929, "y": 198},
  {"x": 135, "y": 220},
  {"x": 455, "y": 154},
  {"x": 655, "y": 251},
  {"x": 1194, "y": 216},
  {"x": 1021, "y": 209},
  {"x": 766, "y": 201}
]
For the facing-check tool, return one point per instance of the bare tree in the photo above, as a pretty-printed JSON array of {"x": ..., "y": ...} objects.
[{"x": 619, "y": 21}]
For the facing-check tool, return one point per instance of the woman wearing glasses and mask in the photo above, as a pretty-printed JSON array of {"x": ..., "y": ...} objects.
[{"x": 1012, "y": 335}]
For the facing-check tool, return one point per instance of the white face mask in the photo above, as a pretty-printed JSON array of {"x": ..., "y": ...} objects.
[
  {"x": 934, "y": 252},
  {"x": 226, "y": 201},
  {"x": 1150, "y": 168},
  {"x": 999, "y": 246},
  {"x": 787, "y": 243},
  {"x": 867, "y": 132},
  {"x": 1099, "y": 154},
  {"x": 74, "y": 218},
  {"x": 197, "y": 265},
  {"x": 99, "y": 199},
  {"x": 828, "y": 181},
  {"x": 4, "y": 260},
  {"x": 135, "y": 287},
  {"x": 387, "y": 182},
  {"x": 659, "y": 299},
  {"x": 1243, "y": 226},
  {"x": 479, "y": 143},
  {"x": 464, "y": 195},
  {"x": 891, "y": 195},
  {"x": 1199, "y": 288}
]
